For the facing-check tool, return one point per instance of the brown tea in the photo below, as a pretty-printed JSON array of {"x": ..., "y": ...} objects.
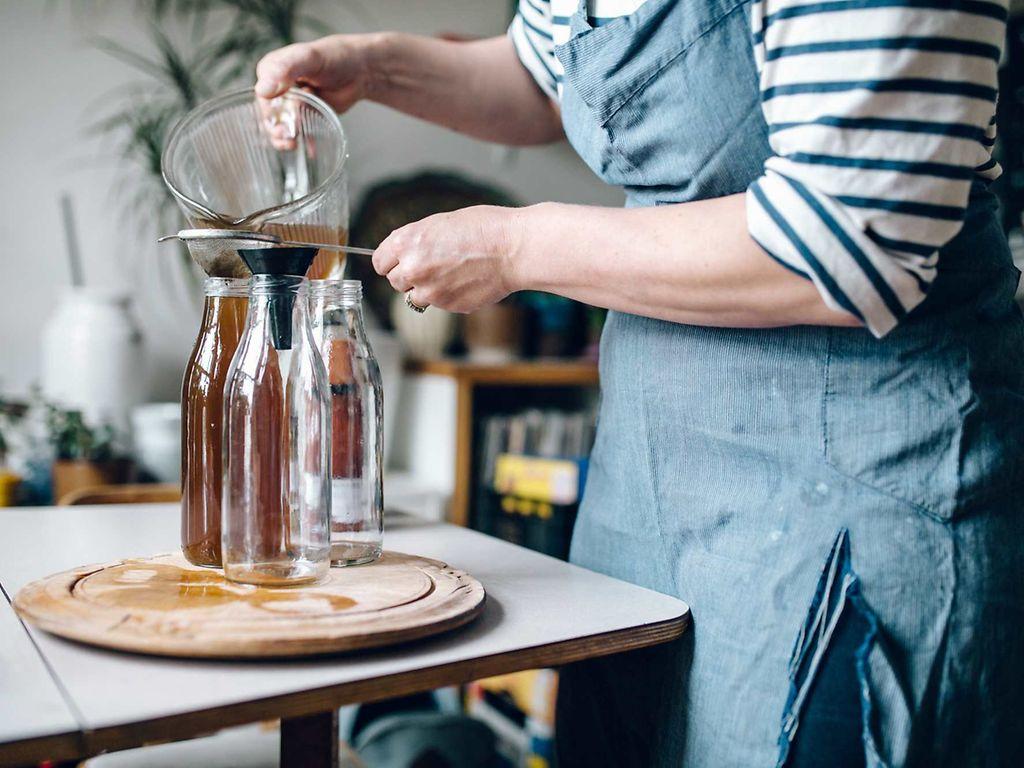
[{"x": 202, "y": 405}]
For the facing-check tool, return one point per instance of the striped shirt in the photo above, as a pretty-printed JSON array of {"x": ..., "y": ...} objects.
[{"x": 881, "y": 113}]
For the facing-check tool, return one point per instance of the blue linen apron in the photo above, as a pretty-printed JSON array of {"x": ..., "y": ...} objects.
[{"x": 775, "y": 479}]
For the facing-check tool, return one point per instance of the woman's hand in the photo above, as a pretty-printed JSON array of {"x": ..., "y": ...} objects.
[
  {"x": 336, "y": 68},
  {"x": 458, "y": 261},
  {"x": 478, "y": 88}
]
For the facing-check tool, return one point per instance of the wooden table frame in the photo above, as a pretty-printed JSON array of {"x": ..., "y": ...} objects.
[
  {"x": 309, "y": 725},
  {"x": 302, "y": 714}
]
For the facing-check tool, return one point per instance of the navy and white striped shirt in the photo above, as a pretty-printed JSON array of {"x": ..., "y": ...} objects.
[{"x": 880, "y": 112}]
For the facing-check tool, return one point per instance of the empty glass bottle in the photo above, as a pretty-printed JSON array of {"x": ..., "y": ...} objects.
[
  {"x": 202, "y": 412},
  {"x": 357, "y": 497},
  {"x": 276, "y": 500}
]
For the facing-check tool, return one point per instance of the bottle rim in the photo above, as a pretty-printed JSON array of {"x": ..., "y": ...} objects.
[
  {"x": 338, "y": 290},
  {"x": 226, "y": 287}
]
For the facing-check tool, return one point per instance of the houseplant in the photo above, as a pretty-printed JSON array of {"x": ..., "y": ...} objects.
[
  {"x": 84, "y": 455},
  {"x": 195, "y": 49}
]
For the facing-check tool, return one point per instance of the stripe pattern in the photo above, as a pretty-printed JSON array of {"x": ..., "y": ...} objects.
[{"x": 880, "y": 115}]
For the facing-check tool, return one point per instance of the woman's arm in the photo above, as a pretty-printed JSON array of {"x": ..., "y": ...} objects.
[
  {"x": 478, "y": 88},
  {"x": 880, "y": 117},
  {"x": 690, "y": 263}
]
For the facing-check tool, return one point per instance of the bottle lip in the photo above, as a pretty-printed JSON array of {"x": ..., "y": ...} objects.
[
  {"x": 229, "y": 287},
  {"x": 344, "y": 290}
]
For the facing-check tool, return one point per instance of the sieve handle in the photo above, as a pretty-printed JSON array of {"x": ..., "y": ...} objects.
[
  {"x": 274, "y": 240},
  {"x": 323, "y": 246}
]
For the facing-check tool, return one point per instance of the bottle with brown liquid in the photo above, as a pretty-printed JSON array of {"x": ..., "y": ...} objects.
[{"x": 202, "y": 416}]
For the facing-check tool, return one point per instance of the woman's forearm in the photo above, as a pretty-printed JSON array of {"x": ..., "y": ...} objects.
[
  {"x": 478, "y": 88},
  {"x": 689, "y": 263}
]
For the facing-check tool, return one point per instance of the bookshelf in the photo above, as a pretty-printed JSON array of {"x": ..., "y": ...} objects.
[{"x": 443, "y": 399}]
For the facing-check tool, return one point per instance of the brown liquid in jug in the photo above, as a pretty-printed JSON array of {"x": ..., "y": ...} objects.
[{"x": 202, "y": 425}]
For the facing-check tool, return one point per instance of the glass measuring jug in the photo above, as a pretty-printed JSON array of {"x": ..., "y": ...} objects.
[{"x": 237, "y": 163}]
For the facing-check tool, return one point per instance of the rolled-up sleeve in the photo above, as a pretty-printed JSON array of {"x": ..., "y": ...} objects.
[
  {"x": 880, "y": 117},
  {"x": 532, "y": 34}
]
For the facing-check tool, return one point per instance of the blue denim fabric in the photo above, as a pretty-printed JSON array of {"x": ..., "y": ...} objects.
[{"x": 731, "y": 464}]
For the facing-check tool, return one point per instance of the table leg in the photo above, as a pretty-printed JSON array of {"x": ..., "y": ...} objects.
[{"x": 311, "y": 741}]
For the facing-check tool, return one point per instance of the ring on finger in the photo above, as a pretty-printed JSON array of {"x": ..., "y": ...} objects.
[{"x": 412, "y": 304}]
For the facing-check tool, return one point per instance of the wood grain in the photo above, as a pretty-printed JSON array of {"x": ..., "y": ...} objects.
[
  {"x": 539, "y": 612},
  {"x": 536, "y": 373},
  {"x": 143, "y": 493},
  {"x": 166, "y": 606}
]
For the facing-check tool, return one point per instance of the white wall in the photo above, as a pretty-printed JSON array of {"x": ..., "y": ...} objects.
[{"x": 55, "y": 83}]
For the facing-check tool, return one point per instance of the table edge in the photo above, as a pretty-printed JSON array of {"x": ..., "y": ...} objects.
[
  {"x": 54, "y": 747},
  {"x": 196, "y": 723},
  {"x": 63, "y": 745}
]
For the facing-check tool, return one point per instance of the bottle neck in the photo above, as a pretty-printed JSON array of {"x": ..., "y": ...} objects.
[
  {"x": 224, "y": 305},
  {"x": 337, "y": 310},
  {"x": 226, "y": 287},
  {"x": 278, "y": 303},
  {"x": 336, "y": 294}
]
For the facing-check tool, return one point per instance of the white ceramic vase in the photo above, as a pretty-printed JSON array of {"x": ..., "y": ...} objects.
[{"x": 92, "y": 356}]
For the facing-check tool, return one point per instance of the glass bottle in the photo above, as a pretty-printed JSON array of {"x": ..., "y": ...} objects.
[
  {"x": 202, "y": 414},
  {"x": 357, "y": 496},
  {"x": 276, "y": 441}
]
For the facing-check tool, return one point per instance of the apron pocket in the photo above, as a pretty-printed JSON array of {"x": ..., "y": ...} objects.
[
  {"x": 894, "y": 414},
  {"x": 674, "y": 90},
  {"x": 927, "y": 416}
]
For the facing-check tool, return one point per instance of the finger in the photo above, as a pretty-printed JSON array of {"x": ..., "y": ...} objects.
[
  {"x": 399, "y": 281},
  {"x": 281, "y": 69},
  {"x": 385, "y": 258},
  {"x": 281, "y": 121}
]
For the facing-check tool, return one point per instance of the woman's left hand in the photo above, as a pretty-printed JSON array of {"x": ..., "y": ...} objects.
[{"x": 458, "y": 261}]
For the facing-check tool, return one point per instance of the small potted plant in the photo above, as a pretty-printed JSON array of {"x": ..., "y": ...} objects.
[{"x": 84, "y": 456}]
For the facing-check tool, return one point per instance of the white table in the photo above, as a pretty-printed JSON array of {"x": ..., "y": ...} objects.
[{"x": 60, "y": 699}]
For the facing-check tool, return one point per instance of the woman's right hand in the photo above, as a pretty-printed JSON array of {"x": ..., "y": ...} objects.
[{"x": 335, "y": 68}]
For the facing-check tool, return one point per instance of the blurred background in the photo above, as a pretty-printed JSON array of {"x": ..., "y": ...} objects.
[
  {"x": 92, "y": 89},
  {"x": 489, "y": 418},
  {"x": 92, "y": 86}
]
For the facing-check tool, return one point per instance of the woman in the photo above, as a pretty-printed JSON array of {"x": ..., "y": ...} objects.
[{"x": 812, "y": 420}]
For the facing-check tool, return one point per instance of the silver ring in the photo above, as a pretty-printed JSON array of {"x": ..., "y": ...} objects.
[{"x": 413, "y": 305}]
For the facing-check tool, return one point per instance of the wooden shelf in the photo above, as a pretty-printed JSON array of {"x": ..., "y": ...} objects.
[
  {"x": 468, "y": 377},
  {"x": 540, "y": 373}
]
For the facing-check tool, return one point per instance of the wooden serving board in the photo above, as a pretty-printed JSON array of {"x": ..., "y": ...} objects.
[{"x": 166, "y": 606}]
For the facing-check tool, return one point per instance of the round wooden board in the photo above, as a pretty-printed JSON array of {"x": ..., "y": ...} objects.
[{"x": 164, "y": 605}]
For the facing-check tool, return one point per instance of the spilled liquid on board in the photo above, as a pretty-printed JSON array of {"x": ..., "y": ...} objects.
[{"x": 162, "y": 587}]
